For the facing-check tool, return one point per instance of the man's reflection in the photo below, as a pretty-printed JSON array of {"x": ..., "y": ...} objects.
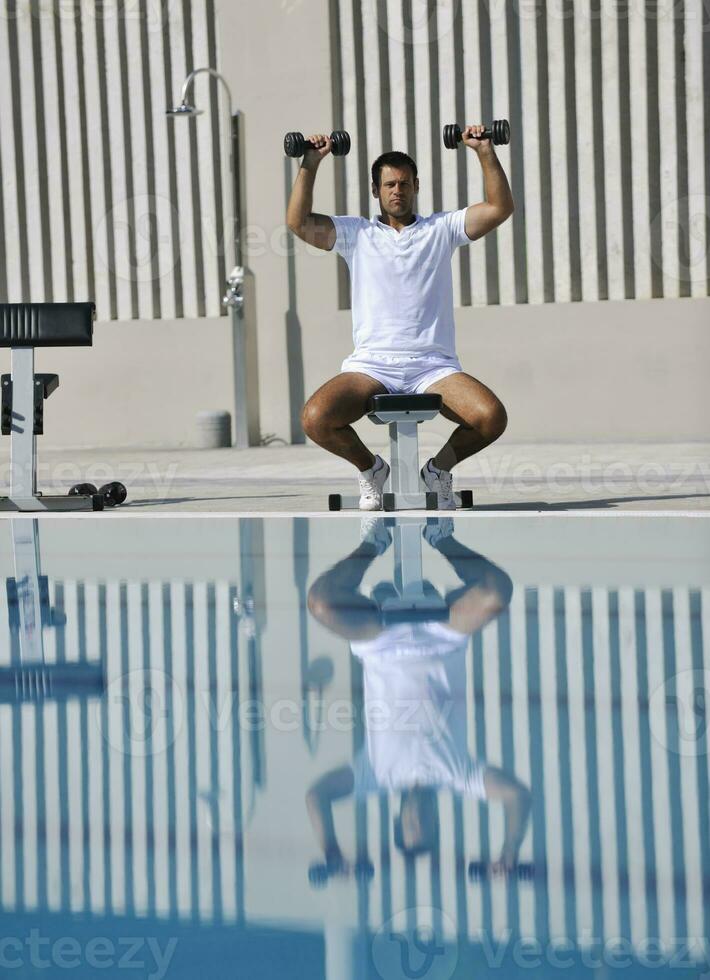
[{"x": 414, "y": 688}]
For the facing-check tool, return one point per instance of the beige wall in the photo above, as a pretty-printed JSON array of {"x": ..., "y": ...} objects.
[{"x": 609, "y": 371}]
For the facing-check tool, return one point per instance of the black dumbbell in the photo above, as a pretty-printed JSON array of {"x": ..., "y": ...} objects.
[
  {"x": 319, "y": 873},
  {"x": 499, "y": 133},
  {"x": 83, "y": 490},
  {"x": 295, "y": 144},
  {"x": 114, "y": 494},
  {"x": 479, "y": 871}
]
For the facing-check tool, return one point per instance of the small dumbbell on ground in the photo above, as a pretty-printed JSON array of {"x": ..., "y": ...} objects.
[{"x": 113, "y": 494}]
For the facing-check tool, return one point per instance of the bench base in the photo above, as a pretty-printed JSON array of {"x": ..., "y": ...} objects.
[
  {"x": 31, "y": 505},
  {"x": 402, "y": 501}
]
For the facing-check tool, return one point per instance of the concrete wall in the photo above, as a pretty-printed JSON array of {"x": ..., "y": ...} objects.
[{"x": 602, "y": 371}]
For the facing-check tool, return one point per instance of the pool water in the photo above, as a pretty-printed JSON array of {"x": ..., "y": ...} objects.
[{"x": 322, "y": 747}]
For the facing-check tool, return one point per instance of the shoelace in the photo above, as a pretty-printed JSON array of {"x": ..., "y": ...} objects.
[
  {"x": 446, "y": 482},
  {"x": 368, "y": 488}
]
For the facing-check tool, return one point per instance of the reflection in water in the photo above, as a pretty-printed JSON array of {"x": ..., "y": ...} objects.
[
  {"x": 412, "y": 645},
  {"x": 486, "y": 767}
]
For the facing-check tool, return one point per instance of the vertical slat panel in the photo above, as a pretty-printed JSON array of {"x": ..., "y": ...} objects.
[
  {"x": 210, "y": 230},
  {"x": 632, "y": 775},
  {"x": 55, "y": 159},
  {"x": 694, "y": 269},
  {"x": 598, "y": 84},
  {"x": 501, "y": 101},
  {"x": 689, "y": 743},
  {"x": 182, "y": 697},
  {"x": 418, "y": 39},
  {"x": 373, "y": 88},
  {"x": 558, "y": 125},
  {"x": 474, "y": 110},
  {"x": 8, "y": 890},
  {"x": 553, "y": 809},
  {"x": 204, "y": 699},
  {"x": 26, "y": 83},
  {"x": 587, "y": 150},
  {"x": 352, "y": 177},
  {"x": 578, "y": 754},
  {"x": 12, "y": 230}
]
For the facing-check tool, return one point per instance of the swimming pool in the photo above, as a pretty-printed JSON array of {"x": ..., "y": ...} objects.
[{"x": 316, "y": 748}]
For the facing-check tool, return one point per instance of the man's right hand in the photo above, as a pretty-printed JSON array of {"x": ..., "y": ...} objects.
[{"x": 322, "y": 146}]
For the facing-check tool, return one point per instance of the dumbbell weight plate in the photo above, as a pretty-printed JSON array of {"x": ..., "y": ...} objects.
[
  {"x": 452, "y": 136},
  {"x": 341, "y": 143},
  {"x": 294, "y": 144},
  {"x": 83, "y": 490},
  {"x": 114, "y": 494},
  {"x": 501, "y": 132}
]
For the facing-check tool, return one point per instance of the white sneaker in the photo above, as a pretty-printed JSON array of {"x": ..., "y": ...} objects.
[
  {"x": 373, "y": 530},
  {"x": 440, "y": 482},
  {"x": 371, "y": 483}
]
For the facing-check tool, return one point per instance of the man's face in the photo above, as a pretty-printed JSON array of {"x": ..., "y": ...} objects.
[{"x": 397, "y": 191}]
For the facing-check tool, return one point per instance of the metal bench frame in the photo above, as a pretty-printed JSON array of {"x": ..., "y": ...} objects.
[
  {"x": 405, "y": 489},
  {"x": 23, "y": 327}
]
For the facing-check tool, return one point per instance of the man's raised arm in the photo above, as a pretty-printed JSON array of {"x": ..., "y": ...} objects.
[
  {"x": 498, "y": 205},
  {"x": 315, "y": 229}
]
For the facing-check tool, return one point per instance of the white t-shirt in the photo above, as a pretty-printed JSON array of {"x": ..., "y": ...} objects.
[
  {"x": 402, "y": 288},
  {"x": 414, "y": 680}
]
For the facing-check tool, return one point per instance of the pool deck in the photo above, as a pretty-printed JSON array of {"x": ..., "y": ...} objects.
[{"x": 297, "y": 479}]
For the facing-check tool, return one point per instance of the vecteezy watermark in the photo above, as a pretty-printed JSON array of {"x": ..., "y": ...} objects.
[
  {"x": 154, "y": 13},
  {"x": 639, "y": 10},
  {"x": 60, "y": 476},
  {"x": 134, "y": 241},
  {"x": 591, "y": 477},
  {"x": 416, "y": 942},
  {"x": 38, "y": 952},
  {"x": 687, "y": 220},
  {"x": 590, "y": 953},
  {"x": 678, "y": 713},
  {"x": 143, "y": 712},
  {"x": 419, "y": 23}
]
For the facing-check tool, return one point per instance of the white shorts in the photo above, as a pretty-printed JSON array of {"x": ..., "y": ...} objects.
[{"x": 402, "y": 374}]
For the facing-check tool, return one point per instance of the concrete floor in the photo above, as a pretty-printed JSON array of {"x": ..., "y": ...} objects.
[{"x": 298, "y": 479}]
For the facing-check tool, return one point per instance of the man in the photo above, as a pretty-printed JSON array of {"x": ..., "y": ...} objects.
[{"x": 403, "y": 317}]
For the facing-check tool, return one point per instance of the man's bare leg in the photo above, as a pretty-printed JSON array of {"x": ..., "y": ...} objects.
[
  {"x": 479, "y": 413},
  {"x": 328, "y": 415}
]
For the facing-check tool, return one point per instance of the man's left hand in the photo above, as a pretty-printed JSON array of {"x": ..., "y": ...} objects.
[{"x": 470, "y": 138}]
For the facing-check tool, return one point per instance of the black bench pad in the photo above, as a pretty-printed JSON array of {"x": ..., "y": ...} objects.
[
  {"x": 46, "y": 324},
  {"x": 404, "y": 403}
]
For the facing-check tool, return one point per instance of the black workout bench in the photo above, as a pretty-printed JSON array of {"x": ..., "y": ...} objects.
[{"x": 23, "y": 327}]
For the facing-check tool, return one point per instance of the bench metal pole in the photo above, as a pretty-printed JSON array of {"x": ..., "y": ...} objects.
[
  {"x": 404, "y": 457},
  {"x": 23, "y": 442}
]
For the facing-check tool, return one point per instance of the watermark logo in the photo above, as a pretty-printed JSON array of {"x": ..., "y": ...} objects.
[
  {"x": 145, "y": 712},
  {"x": 678, "y": 713},
  {"x": 132, "y": 240},
  {"x": 421, "y": 22},
  {"x": 689, "y": 219},
  {"x": 404, "y": 948}
]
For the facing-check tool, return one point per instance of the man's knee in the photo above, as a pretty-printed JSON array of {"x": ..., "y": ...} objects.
[
  {"x": 490, "y": 421},
  {"x": 498, "y": 420},
  {"x": 313, "y": 418}
]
